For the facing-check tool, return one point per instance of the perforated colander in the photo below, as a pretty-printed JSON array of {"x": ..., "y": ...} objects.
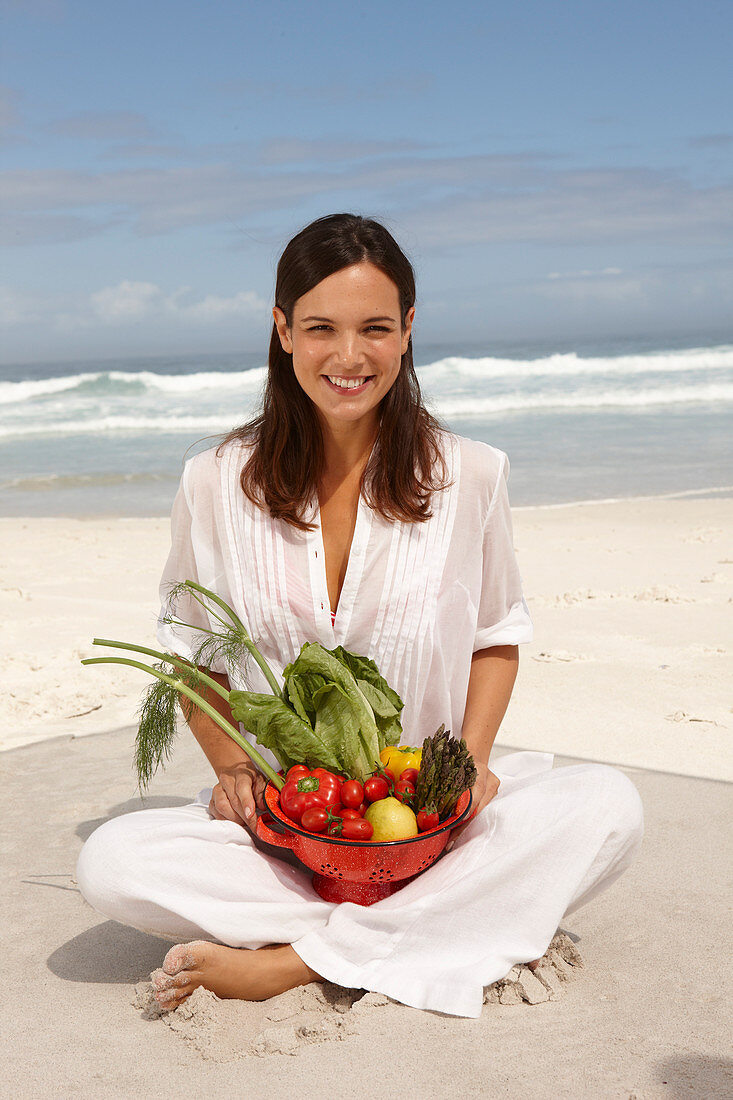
[{"x": 357, "y": 870}]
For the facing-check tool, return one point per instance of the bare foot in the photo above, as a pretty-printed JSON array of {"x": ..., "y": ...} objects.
[{"x": 230, "y": 972}]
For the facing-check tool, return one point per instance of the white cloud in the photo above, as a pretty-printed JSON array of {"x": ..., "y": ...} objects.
[
  {"x": 604, "y": 273},
  {"x": 17, "y": 308},
  {"x": 126, "y": 302},
  {"x": 443, "y": 200},
  {"x": 104, "y": 126},
  {"x": 129, "y": 302},
  {"x": 213, "y": 308}
]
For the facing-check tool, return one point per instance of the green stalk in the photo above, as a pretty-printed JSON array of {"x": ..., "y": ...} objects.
[
  {"x": 171, "y": 658},
  {"x": 257, "y": 759},
  {"x": 246, "y": 640}
]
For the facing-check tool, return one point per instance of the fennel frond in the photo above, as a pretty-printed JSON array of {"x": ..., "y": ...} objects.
[{"x": 157, "y": 728}]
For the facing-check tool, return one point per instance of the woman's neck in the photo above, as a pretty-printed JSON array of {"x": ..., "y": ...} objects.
[{"x": 346, "y": 448}]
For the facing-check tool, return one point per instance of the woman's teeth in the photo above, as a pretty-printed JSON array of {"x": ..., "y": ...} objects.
[{"x": 347, "y": 383}]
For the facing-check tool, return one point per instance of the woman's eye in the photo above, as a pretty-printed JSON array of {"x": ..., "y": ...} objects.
[
  {"x": 379, "y": 328},
  {"x": 318, "y": 328}
]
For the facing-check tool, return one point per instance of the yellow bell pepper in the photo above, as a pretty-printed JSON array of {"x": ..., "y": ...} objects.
[{"x": 398, "y": 757}]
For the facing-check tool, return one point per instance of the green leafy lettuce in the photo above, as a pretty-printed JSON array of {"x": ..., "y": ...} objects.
[{"x": 336, "y": 712}]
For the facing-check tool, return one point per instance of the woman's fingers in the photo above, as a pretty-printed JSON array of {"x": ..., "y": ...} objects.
[
  {"x": 485, "y": 789},
  {"x": 243, "y": 793},
  {"x": 258, "y": 790},
  {"x": 232, "y": 798},
  {"x": 220, "y": 806}
]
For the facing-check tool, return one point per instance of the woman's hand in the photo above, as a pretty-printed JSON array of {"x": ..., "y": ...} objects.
[
  {"x": 482, "y": 792},
  {"x": 239, "y": 792}
]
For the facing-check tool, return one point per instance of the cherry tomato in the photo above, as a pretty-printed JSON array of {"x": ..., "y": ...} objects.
[
  {"x": 363, "y": 808},
  {"x": 404, "y": 791},
  {"x": 348, "y": 814},
  {"x": 352, "y": 793},
  {"x": 427, "y": 821},
  {"x": 356, "y": 828},
  {"x": 398, "y": 757},
  {"x": 375, "y": 788},
  {"x": 410, "y": 774},
  {"x": 335, "y": 826},
  {"x": 314, "y": 819}
]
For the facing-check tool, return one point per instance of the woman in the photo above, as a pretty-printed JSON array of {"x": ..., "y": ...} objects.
[{"x": 344, "y": 514}]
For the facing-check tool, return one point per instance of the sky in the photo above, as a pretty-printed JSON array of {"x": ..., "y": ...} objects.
[{"x": 556, "y": 171}]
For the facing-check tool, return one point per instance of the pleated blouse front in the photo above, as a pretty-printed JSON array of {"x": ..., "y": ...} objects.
[{"x": 419, "y": 599}]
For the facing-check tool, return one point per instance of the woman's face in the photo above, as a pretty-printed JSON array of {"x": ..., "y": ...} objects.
[{"x": 347, "y": 343}]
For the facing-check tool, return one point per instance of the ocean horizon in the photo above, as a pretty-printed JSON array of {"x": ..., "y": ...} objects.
[{"x": 596, "y": 421}]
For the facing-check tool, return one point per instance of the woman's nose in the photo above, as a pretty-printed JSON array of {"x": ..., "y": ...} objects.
[{"x": 349, "y": 350}]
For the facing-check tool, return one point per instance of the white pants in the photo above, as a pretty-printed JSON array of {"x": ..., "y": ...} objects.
[{"x": 548, "y": 842}]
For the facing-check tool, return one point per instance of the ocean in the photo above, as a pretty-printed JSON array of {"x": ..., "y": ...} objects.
[{"x": 591, "y": 422}]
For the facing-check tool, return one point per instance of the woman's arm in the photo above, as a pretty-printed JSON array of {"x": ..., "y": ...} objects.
[
  {"x": 493, "y": 672},
  {"x": 240, "y": 786}
]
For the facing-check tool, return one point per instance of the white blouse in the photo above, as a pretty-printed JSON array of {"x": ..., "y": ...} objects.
[{"x": 419, "y": 599}]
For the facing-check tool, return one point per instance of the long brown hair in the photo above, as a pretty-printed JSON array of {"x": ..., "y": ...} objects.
[{"x": 286, "y": 461}]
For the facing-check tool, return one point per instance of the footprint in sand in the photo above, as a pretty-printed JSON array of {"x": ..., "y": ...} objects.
[
  {"x": 683, "y": 716},
  {"x": 703, "y": 534},
  {"x": 560, "y": 655}
]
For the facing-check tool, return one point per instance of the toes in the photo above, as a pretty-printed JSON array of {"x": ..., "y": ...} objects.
[
  {"x": 181, "y": 957},
  {"x": 162, "y": 981},
  {"x": 170, "y": 999}
]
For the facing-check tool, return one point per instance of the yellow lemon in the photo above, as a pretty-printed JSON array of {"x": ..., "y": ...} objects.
[{"x": 391, "y": 820}]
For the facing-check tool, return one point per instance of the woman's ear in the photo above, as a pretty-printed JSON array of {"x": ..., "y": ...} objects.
[
  {"x": 407, "y": 328},
  {"x": 283, "y": 331}
]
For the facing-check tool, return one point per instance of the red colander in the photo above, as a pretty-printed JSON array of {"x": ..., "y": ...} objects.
[{"x": 357, "y": 870}]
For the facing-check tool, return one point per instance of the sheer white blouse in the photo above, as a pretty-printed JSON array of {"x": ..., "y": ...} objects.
[{"x": 419, "y": 599}]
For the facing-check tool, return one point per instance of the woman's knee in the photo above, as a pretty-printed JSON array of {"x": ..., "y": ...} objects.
[
  {"x": 614, "y": 793},
  {"x": 109, "y": 861}
]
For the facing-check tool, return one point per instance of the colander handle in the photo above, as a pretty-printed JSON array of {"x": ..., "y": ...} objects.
[{"x": 281, "y": 840}]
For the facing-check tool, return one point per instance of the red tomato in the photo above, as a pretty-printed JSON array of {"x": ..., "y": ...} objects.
[
  {"x": 314, "y": 819},
  {"x": 375, "y": 788},
  {"x": 404, "y": 790},
  {"x": 356, "y": 828},
  {"x": 363, "y": 808},
  {"x": 348, "y": 814},
  {"x": 410, "y": 774},
  {"x": 427, "y": 821},
  {"x": 352, "y": 793},
  {"x": 315, "y": 788}
]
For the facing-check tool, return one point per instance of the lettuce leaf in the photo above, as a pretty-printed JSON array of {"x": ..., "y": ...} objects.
[
  {"x": 282, "y": 731},
  {"x": 337, "y": 712}
]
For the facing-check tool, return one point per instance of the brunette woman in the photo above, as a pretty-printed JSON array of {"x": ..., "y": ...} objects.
[{"x": 345, "y": 514}]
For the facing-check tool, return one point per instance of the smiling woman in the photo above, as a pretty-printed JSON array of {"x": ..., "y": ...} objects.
[{"x": 345, "y": 515}]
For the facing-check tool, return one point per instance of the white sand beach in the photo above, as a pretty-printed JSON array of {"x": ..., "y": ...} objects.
[{"x": 631, "y": 665}]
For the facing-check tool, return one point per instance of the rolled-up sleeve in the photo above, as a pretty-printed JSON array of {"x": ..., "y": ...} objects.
[
  {"x": 195, "y": 555},
  {"x": 503, "y": 616}
]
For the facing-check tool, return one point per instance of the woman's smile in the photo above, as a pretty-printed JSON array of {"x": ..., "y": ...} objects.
[{"x": 348, "y": 386}]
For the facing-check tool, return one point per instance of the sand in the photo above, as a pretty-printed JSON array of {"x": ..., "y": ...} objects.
[
  {"x": 632, "y": 603},
  {"x": 631, "y": 666}
]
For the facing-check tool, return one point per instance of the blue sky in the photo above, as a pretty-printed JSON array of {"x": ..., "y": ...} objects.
[{"x": 556, "y": 171}]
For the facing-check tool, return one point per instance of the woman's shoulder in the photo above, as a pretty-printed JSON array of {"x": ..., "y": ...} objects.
[
  {"x": 478, "y": 462},
  {"x": 203, "y": 472}
]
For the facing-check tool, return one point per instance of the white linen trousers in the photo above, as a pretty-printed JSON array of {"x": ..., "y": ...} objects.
[{"x": 549, "y": 841}]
